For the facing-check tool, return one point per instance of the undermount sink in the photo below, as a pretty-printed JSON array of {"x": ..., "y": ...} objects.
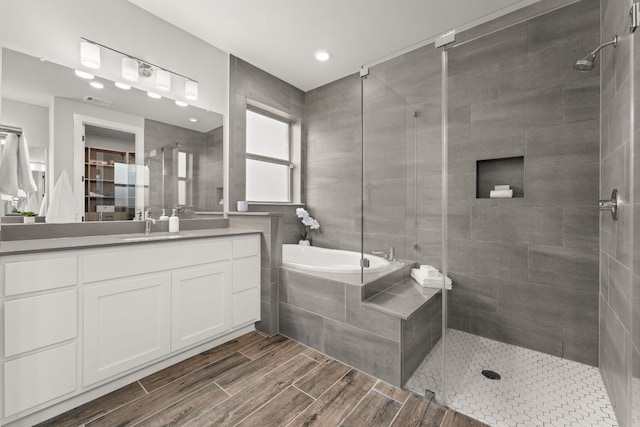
[{"x": 155, "y": 237}]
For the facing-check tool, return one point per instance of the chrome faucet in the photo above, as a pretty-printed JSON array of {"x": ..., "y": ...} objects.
[
  {"x": 147, "y": 225},
  {"x": 389, "y": 254},
  {"x": 148, "y": 221}
]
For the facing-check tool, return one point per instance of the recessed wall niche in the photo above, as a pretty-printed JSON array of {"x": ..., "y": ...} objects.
[{"x": 492, "y": 172}]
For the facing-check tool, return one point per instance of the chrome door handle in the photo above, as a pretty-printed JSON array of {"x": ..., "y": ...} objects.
[{"x": 611, "y": 205}]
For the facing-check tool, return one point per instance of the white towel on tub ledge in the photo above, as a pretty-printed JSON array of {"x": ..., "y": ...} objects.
[
  {"x": 426, "y": 282},
  {"x": 62, "y": 203}
]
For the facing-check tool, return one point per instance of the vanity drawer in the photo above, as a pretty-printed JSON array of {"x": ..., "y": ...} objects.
[
  {"x": 246, "y": 246},
  {"x": 153, "y": 257},
  {"x": 36, "y": 322},
  {"x": 38, "y": 378},
  {"x": 246, "y": 273},
  {"x": 41, "y": 274}
]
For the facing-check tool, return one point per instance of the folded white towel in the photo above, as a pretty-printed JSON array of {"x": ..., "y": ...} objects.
[
  {"x": 501, "y": 194},
  {"x": 430, "y": 283},
  {"x": 430, "y": 271},
  {"x": 62, "y": 203}
]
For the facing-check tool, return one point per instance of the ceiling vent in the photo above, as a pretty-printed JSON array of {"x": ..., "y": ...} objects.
[{"x": 98, "y": 101}]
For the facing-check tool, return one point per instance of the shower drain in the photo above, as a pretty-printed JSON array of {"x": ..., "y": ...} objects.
[{"x": 491, "y": 374}]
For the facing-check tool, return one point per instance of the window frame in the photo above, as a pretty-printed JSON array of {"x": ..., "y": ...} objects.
[{"x": 273, "y": 160}]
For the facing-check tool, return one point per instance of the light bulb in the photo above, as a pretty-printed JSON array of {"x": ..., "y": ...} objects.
[
  {"x": 163, "y": 80},
  {"x": 130, "y": 69},
  {"x": 191, "y": 90},
  {"x": 154, "y": 95},
  {"x": 89, "y": 55}
]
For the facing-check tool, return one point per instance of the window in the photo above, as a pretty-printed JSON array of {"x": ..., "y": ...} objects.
[{"x": 268, "y": 165}]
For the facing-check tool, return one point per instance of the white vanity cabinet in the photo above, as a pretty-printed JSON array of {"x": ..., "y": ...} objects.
[
  {"x": 80, "y": 323},
  {"x": 126, "y": 324},
  {"x": 200, "y": 306}
]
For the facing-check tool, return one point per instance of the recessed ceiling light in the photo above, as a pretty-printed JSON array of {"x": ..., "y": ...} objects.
[
  {"x": 181, "y": 103},
  {"x": 193, "y": 119},
  {"x": 154, "y": 95},
  {"x": 122, "y": 85},
  {"x": 322, "y": 55},
  {"x": 84, "y": 74},
  {"x": 97, "y": 85}
]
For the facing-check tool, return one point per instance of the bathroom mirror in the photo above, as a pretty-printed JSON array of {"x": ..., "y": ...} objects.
[{"x": 123, "y": 151}]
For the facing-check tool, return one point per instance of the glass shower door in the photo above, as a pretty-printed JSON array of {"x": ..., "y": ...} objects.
[{"x": 402, "y": 203}]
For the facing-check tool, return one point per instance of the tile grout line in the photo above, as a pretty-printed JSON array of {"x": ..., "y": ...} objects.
[
  {"x": 143, "y": 388},
  {"x": 262, "y": 406},
  {"x": 222, "y": 388},
  {"x": 356, "y": 405},
  {"x": 263, "y": 376},
  {"x": 322, "y": 394},
  {"x": 384, "y": 394},
  {"x": 302, "y": 391}
]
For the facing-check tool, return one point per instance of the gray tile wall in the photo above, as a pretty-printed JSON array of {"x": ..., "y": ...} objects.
[
  {"x": 247, "y": 84},
  {"x": 526, "y": 269},
  {"x": 511, "y": 93},
  {"x": 330, "y": 317},
  {"x": 619, "y": 308}
]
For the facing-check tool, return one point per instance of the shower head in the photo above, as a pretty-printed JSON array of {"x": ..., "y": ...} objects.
[{"x": 586, "y": 64}]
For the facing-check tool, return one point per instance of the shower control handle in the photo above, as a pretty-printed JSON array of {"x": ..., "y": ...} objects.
[{"x": 611, "y": 205}]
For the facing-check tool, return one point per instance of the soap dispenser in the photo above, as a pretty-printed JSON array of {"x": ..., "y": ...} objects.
[
  {"x": 174, "y": 223},
  {"x": 164, "y": 216}
]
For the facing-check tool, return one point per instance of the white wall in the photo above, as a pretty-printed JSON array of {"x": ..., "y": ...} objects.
[
  {"x": 52, "y": 29},
  {"x": 33, "y": 119}
]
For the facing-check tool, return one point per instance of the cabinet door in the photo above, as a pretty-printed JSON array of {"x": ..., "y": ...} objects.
[
  {"x": 201, "y": 297},
  {"x": 126, "y": 325}
]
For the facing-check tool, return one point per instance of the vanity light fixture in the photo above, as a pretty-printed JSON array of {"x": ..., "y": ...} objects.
[
  {"x": 191, "y": 90},
  {"x": 121, "y": 85},
  {"x": 154, "y": 95},
  {"x": 129, "y": 69},
  {"x": 163, "y": 80},
  {"x": 181, "y": 103},
  {"x": 84, "y": 75},
  {"x": 97, "y": 85},
  {"x": 89, "y": 55},
  {"x": 322, "y": 55},
  {"x": 133, "y": 69}
]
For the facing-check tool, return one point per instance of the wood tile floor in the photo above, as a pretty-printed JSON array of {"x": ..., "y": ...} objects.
[{"x": 261, "y": 381}]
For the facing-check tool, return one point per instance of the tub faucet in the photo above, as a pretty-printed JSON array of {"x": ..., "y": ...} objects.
[{"x": 389, "y": 254}]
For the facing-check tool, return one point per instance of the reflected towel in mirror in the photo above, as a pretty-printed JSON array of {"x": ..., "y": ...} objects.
[{"x": 62, "y": 203}]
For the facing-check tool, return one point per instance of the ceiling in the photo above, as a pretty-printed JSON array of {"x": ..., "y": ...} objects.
[{"x": 280, "y": 36}]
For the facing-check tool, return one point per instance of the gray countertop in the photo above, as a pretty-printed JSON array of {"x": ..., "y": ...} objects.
[{"x": 18, "y": 247}]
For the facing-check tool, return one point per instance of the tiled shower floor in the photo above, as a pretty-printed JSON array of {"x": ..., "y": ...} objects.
[{"x": 536, "y": 389}]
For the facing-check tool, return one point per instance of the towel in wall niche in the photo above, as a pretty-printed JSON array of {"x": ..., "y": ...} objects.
[
  {"x": 62, "y": 203},
  {"x": 9, "y": 166}
]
